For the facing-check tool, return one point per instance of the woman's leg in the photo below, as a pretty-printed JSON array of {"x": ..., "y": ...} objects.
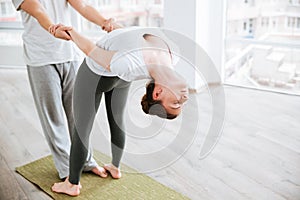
[
  {"x": 85, "y": 104},
  {"x": 87, "y": 96},
  {"x": 86, "y": 101},
  {"x": 115, "y": 101},
  {"x": 68, "y": 72}
]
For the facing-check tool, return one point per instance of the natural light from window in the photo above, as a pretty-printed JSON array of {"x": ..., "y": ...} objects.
[
  {"x": 263, "y": 44},
  {"x": 126, "y": 12}
]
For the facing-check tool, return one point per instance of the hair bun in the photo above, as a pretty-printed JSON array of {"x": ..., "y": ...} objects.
[
  {"x": 145, "y": 104},
  {"x": 154, "y": 107}
]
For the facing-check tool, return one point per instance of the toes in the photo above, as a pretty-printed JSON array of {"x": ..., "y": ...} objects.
[
  {"x": 100, "y": 172},
  {"x": 114, "y": 172},
  {"x": 117, "y": 175},
  {"x": 71, "y": 190},
  {"x": 55, "y": 187}
]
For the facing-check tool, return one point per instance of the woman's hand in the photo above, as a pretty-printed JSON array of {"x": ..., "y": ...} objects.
[
  {"x": 60, "y": 31},
  {"x": 110, "y": 25}
]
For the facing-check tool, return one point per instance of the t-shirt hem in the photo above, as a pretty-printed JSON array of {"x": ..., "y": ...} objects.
[{"x": 53, "y": 63}]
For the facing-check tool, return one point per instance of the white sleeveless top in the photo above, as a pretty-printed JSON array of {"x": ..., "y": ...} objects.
[{"x": 128, "y": 63}]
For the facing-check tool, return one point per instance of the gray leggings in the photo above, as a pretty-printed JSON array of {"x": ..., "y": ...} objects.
[{"x": 88, "y": 91}]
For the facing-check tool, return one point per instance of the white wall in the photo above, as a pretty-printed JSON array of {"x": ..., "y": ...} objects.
[
  {"x": 210, "y": 33},
  {"x": 11, "y": 55},
  {"x": 203, "y": 22},
  {"x": 180, "y": 16}
]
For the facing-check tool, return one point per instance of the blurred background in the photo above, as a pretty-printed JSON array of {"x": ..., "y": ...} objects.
[
  {"x": 257, "y": 41},
  {"x": 254, "y": 46}
]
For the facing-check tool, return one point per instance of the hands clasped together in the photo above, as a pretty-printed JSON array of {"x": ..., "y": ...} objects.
[{"x": 61, "y": 31}]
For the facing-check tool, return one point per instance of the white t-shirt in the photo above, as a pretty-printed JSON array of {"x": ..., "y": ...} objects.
[
  {"x": 128, "y": 63},
  {"x": 40, "y": 47}
]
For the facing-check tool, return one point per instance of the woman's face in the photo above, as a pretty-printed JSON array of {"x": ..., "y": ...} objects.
[{"x": 173, "y": 99}]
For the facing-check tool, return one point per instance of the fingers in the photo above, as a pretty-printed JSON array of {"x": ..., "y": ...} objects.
[
  {"x": 106, "y": 25},
  {"x": 63, "y": 35},
  {"x": 53, "y": 28},
  {"x": 65, "y": 28},
  {"x": 110, "y": 25},
  {"x": 60, "y": 31}
]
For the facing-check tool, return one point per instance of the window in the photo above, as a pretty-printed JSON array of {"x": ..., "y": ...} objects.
[
  {"x": 10, "y": 24},
  {"x": 8, "y": 13},
  {"x": 250, "y": 27},
  {"x": 265, "y": 58},
  {"x": 245, "y": 26},
  {"x": 3, "y": 8},
  {"x": 127, "y": 13},
  {"x": 274, "y": 23},
  {"x": 293, "y": 21}
]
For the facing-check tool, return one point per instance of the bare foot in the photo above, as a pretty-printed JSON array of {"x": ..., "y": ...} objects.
[
  {"x": 100, "y": 171},
  {"x": 67, "y": 188},
  {"x": 114, "y": 171}
]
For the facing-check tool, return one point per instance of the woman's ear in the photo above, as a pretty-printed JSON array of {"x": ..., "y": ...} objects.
[{"x": 156, "y": 93}]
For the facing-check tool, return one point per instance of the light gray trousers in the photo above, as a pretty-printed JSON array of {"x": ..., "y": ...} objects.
[{"x": 52, "y": 89}]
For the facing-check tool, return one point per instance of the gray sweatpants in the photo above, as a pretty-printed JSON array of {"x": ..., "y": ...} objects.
[{"x": 52, "y": 89}]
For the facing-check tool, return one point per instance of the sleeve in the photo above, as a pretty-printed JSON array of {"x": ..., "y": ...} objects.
[
  {"x": 173, "y": 47},
  {"x": 17, "y": 4},
  {"x": 120, "y": 64},
  {"x": 175, "y": 58},
  {"x": 175, "y": 51}
]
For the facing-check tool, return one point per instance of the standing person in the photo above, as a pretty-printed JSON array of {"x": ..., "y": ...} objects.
[
  {"x": 51, "y": 65},
  {"x": 120, "y": 57}
]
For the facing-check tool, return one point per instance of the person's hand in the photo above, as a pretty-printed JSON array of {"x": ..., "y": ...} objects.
[
  {"x": 60, "y": 31},
  {"x": 110, "y": 25}
]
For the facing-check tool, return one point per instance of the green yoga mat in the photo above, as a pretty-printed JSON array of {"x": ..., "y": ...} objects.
[{"x": 131, "y": 186}]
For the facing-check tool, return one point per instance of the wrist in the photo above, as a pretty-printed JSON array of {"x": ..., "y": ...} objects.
[
  {"x": 104, "y": 23},
  {"x": 108, "y": 23},
  {"x": 51, "y": 29}
]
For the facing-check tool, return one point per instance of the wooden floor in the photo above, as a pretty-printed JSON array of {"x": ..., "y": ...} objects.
[{"x": 257, "y": 156}]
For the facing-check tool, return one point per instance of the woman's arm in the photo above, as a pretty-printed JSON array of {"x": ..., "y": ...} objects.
[
  {"x": 83, "y": 43},
  {"x": 99, "y": 55}
]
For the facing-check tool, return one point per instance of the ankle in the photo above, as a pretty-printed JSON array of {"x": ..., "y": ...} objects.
[
  {"x": 114, "y": 167},
  {"x": 71, "y": 184}
]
